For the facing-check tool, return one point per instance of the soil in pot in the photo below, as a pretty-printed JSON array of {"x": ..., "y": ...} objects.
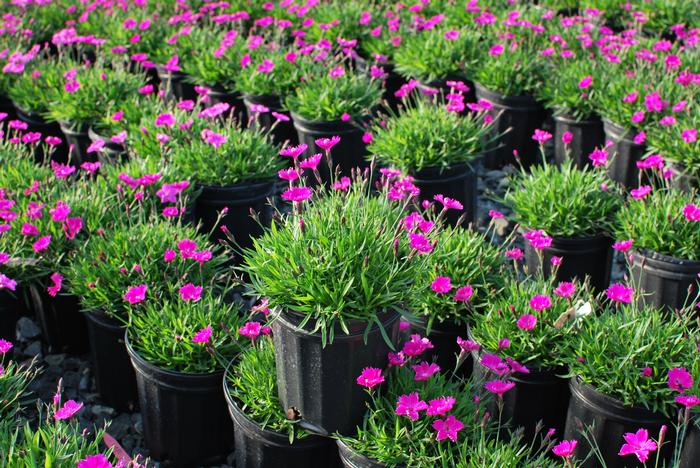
[
  {"x": 320, "y": 383},
  {"x": 458, "y": 183},
  {"x": 112, "y": 153},
  {"x": 581, "y": 257},
  {"x": 114, "y": 374},
  {"x": 78, "y": 142},
  {"x": 515, "y": 119},
  {"x": 663, "y": 280},
  {"x": 623, "y": 154},
  {"x": 63, "y": 325},
  {"x": 175, "y": 85},
  {"x": 239, "y": 200},
  {"x": 349, "y": 153},
  {"x": 184, "y": 415},
  {"x": 260, "y": 448},
  {"x": 352, "y": 459},
  {"x": 282, "y": 132},
  {"x": 36, "y": 123},
  {"x": 610, "y": 420},
  {"x": 587, "y": 135}
]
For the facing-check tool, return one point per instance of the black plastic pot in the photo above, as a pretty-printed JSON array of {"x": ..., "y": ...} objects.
[
  {"x": 445, "y": 350},
  {"x": 458, "y": 183},
  {"x": 239, "y": 199},
  {"x": 78, "y": 142},
  {"x": 283, "y": 133},
  {"x": 610, "y": 420},
  {"x": 624, "y": 154},
  {"x": 320, "y": 383},
  {"x": 352, "y": 459},
  {"x": 63, "y": 326},
  {"x": 36, "y": 123},
  {"x": 683, "y": 180},
  {"x": 175, "y": 85},
  {"x": 515, "y": 119},
  {"x": 392, "y": 82},
  {"x": 8, "y": 108},
  {"x": 218, "y": 95},
  {"x": 112, "y": 153},
  {"x": 184, "y": 415},
  {"x": 690, "y": 453},
  {"x": 581, "y": 257},
  {"x": 259, "y": 448},
  {"x": 10, "y": 310},
  {"x": 664, "y": 280},
  {"x": 349, "y": 153},
  {"x": 114, "y": 374},
  {"x": 587, "y": 135}
]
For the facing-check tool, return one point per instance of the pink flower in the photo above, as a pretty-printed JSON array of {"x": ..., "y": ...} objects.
[
  {"x": 5, "y": 346},
  {"x": 503, "y": 343},
  {"x": 7, "y": 283},
  {"x": 599, "y": 157},
  {"x": 640, "y": 138},
  {"x": 638, "y": 444},
  {"x": 370, "y": 377},
  {"x": 641, "y": 192},
  {"x": 90, "y": 167},
  {"x": 297, "y": 194},
  {"x": 441, "y": 285},
  {"x": 71, "y": 86},
  {"x": 169, "y": 255},
  {"x": 515, "y": 254},
  {"x": 440, "y": 406},
  {"x": 448, "y": 203},
  {"x": 679, "y": 379},
  {"x": 203, "y": 335},
  {"x": 619, "y": 293},
  {"x": 42, "y": 244},
  {"x": 637, "y": 117},
  {"x": 293, "y": 151},
  {"x": 190, "y": 292},
  {"x": 630, "y": 98},
  {"x": 448, "y": 428},
  {"x": 499, "y": 387},
  {"x": 540, "y": 302},
  {"x": 565, "y": 289},
  {"x": 409, "y": 405},
  {"x": 689, "y": 135},
  {"x": 416, "y": 346},
  {"x": 289, "y": 174},
  {"x": 527, "y": 322},
  {"x": 495, "y": 214},
  {"x": 565, "y": 448},
  {"x": 496, "y": 50},
  {"x": 96, "y": 146},
  {"x": 494, "y": 364},
  {"x": 425, "y": 370},
  {"x": 468, "y": 345},
  {"x": 691, "y": 212},
  {"x": 165, "y": 120},
  {"x": 342, "y": 184},
  {"x": 515, "y": 366},
  {"x": 396, "y": 359},
  {"x": 95, "y": 461},
  {"x": 646, "y": 372},
  {"x": 311, "y": 162},
  {"x": 327, "y": 143},
  {"x": 464, "y": 293},
  {"x": 541, "y": 136},
  {"x": 555, "y": 261},
  {"x": 585, "y": 82},
  {"x": 135, "y": 294},
  {"x": 57, "y": 280},
  {"x": 420, "y": 243},
  {"x": 68, "y": 409},
  {"x": 567, "y": 137},
  {"x": 624, "y": 245},
  {"x": 213, "y": 138},
  {"x": 250, "y": 330},
  {"x": 29, "y": 230}
]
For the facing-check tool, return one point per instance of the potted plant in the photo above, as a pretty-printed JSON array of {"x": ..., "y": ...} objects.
[
  {"x": 507, "y": 75},
  {"x": 465, "y": 271},
  {"x": 178, "y": 344},
  {"x": 334, "y": 101},
  {"x": 264, "y": 436},
  {"x": 680, "y": 146},
  {"x": 336, "y": 310},
  {"x": 627, "y": 365},
  {"x": 663, "y": 231},
  {"x": 438, "y": 148},
  {"x": 567, "y": 215},
  {"x": 523, "y": 339}
]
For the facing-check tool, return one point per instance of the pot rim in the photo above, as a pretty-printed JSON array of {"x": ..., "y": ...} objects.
[
  {"x": 346, "y": 126},
  {"x": 261, "y": 183},
  {"x": 657, "y": 257},
  {"x": 591, "y": 120},
  {"x": 519, "y": 99},
  {"x": 342, "y": 445},
  {"x": 603, "y": 235},
  {"x": 355, "y": 326}
]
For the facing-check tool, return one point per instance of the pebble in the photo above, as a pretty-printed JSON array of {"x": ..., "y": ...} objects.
[{"x": 27, "y": 329}]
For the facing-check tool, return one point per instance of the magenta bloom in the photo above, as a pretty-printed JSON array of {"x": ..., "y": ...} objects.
[
  {"x": 68, "y": 409},
  {"x": 619, "y": 293},
  {"x": 289, "y": 174},
  {"x": 165, "y": 120},
  {"x": 448, "y": 428},
  {"x": 468, "y": 345},
  {"x": 293, "y": 151},
  {"x": 527, "y": 322},
  {"x": 327, "y": 143},
  {"x": 679, "y": 379},
  {"x": 624, "y": 245},
  {"x": 448, "y": 203},
  {"x": 540, "y": 302},
  {"x": 441, "y": 285},
  {"x": 297, "y": 194},
  {"x": 499, "y": 387},
  {"x": 585, "y": 82},
  {"x": 213, "y": 138},
  {"x": 250, "y": 330},
  {"x": 203, "y": 335},
  {"x": 311, "y": 162},
  {"x": 190, "y": 292},
  {"x": 57, "y": 280},
  {"x": 494, "y": 364},
  {"x": 342, "y": 184},
  {"x": 5, "y": 346},
  {"x": 515, "y": 366},
  {"x": 688, "y": 401},
  {"x": 416, "y": 345},
  {"x": 641, "y": 192},
  {"x": 567, "y": 137},
  {"x": 565, "y": 289},
  {"x": 565, "y": 448},
  {"x": 464, "y": 293},
  {"x": 135, "y": 294},
  {"x": 420, "y": 243},
  {"x": 95, "y": 461},
  {"x": 425, "y": 370},
  {"x": 440, "y": 406},
  {"x": 515, "y": 254},
  {"x": 541, "y": 136},
  {"x": 370, "y": 377},
  {"x": 496, "y": 50},
  {"x": 409, "y": 405},
  {"x": 691, "y": 212},
  {"x": 42, "y": 244},
  {"x": 396, "y": 359},
  {"x": 7, "y": 283},
  {"x": 638, "y": 444}
]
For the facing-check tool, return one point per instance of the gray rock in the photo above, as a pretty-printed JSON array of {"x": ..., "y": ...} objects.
[
  {"x": 495, "y": 174},
  {"x": 99, "y": 410},
  {"x": 34, "y": 349},
  {"x": 120, "y": 426},
  {"x": 27, "y": 329},
  {"x": 55, "y": 359}
]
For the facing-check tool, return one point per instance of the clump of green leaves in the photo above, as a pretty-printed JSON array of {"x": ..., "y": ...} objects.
[
  {"x": 515, "y": 453},
  {"x": 35, "y": 89},
  {"x": 216, "y": 61},
  {"x": 282, "y": 77},
  {"x": 564, "y": 201},
  {"x": 658, "y": 223},
  {"x": 14, "y": 386}
]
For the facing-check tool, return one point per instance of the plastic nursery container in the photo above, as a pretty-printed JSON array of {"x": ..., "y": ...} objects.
[
  {"x": 349, "y": 153},
  {"x": 175, "y": 85},
  {"x": 515, "y": 119},
  {"x": 458, "y": 183},
  {"x": 112, "y": 153},
  {"x": 114, "y": 375},
  {"x": 610, "y": 420},
  {"x": 683, "y": 180},
  {"x": 7, "y": 107},
  {"x": 36, "y": 123},
  {"x": 11, "y": 308},
  {"x": 78, "y": 141},
  {"x": 624, "y": 154},
  {"x": 581, "y": 257},
  {"x": 587, "y": 135},
  {"x": 318, "y": 383},
  {"x": 217, "y": 95},
  {"x": 63, "y": 325},
  {"x": 283, "y": 132},
  {"x": 260, "y": 448},
  {"x": 239, "y": 199},
  {"x": 352, "y": 459},
  {"x": 184, "y": 415},
  {"x": 664, "y": 280}
]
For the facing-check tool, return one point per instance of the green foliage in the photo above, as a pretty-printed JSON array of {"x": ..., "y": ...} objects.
[
  {"x": 14, "y": 386},
  {"x": 667, "y": 140},
  {"x": 205, "y": 68},
  {"x": 337, "y": 19},
  {"x": 490, "y": 453},
  {"x": 564, "y": 201},
  {"x": 657, "y": 223},
  {"x": 278, "y": 82},
  {"x": 35, "y": 89}
]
